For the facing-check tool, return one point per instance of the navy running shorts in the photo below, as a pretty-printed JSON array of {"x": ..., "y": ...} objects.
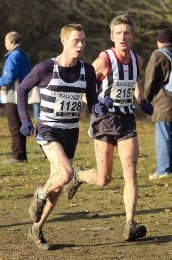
[{"x": 68, "y": 138}]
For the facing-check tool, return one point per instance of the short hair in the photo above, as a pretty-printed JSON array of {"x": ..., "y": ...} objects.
[
  {"x": 70, "y": 27},
  {"x": 165, "y": 36},
  {"x": 14, "y": 37},
  {"x": 123, "y": 19}
]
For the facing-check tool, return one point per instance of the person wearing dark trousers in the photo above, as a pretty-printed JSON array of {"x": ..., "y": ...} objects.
[
  {"x": 18, "y": 140},
  {"x": 16, "y": 67},
  {"x": 157, "y": 77}
]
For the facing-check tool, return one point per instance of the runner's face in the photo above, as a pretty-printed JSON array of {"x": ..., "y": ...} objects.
[
  {"x": 123, "y": 37},
  {"x": 74, "y": 43}
]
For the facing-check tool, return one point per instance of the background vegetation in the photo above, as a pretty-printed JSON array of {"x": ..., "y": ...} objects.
[{"x": 39, "y": 23}]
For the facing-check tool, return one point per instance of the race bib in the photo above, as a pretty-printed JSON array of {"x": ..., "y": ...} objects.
[
  {"x": 122, "y": 92},
  {"x": 67, "y": 104}
]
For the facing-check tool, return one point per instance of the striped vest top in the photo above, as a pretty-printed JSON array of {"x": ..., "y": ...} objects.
[
  {"x": 61, "y": 102},
  {"x": 119, "y": 83}
]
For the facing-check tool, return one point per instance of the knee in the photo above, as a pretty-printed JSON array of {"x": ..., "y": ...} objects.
[
  {"x": 67, "y": 176},
  {"x": 103, "y": 182},
  {"x": 63, "y": 177}
]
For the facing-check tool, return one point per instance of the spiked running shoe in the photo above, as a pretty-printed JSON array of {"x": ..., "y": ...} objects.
[
  {"x": 36, "y": 235},
  {"x": 36, "y": 207},
  {"x": 134, "y": 231},
  {"x": 73, "y": 186}
]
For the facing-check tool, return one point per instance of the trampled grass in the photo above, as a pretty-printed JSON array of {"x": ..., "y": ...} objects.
[{"x": 90, "y": 226}]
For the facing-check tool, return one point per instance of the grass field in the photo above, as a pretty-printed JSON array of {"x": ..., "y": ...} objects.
[{"x": 91, "y": 225}]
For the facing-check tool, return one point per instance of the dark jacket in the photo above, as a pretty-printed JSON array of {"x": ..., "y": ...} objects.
[{"x": 156, "y": 76}]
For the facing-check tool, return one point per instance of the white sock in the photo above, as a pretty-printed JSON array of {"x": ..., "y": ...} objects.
[{"x": 41, "y": 195}]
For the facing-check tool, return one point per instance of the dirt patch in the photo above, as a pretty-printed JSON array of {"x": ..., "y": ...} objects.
[{"x": 91, "y": 225}]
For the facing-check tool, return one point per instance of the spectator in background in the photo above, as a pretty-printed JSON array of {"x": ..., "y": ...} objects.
[
  {"x": 36, "y": 111},
  {"x": 34, "y": 99},
  {"x": 16, "y": 67},
  {"x": 156, "y": 77}
]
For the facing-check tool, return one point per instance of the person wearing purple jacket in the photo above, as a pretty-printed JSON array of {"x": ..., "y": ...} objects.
[
  {"x": 62, "y": 82},
  {"x": 16, "y": 67}
]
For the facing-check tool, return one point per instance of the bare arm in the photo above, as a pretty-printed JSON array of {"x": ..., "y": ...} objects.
[
  {"x": 101, "y": 65},
  {"x": 139, "y": 93}
]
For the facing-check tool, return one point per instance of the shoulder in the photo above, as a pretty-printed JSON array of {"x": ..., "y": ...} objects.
[
  {"x": 13, "y": 54},
  {"x": 139, "y": 60},
  {"x": 88, "y": 67},
  {"x": 103, "y": 60},
  {"x": 162, "y": 53},
  {"x": 17, "y": 54},
  {"x": 103, "y": 57},
  {"x": 45, "y": 65},
  {"x": 158, "y": 57},
  {"x": 90, "y": 74},
  {"x": 102, "y": 64}
]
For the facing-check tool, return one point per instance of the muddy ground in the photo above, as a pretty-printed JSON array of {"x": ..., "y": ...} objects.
[{"x": 91, "y": 225}]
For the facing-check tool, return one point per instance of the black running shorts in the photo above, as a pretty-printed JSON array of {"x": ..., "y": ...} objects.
[{"x": 113, "y": 128}]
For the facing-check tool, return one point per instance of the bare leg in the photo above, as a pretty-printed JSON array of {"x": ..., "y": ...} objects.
[
  {"x": 104, "y": 158},
  {"x": 60, "y": 167},
  {"x": 49, "y": 206},
  {"x": 128, "y": 152},
  {"x": 51, "y": 195},
  {"x": 61, "y": 174},
  {"x": 45, "y": 199},
  {"x": 100, "y": 176}
]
